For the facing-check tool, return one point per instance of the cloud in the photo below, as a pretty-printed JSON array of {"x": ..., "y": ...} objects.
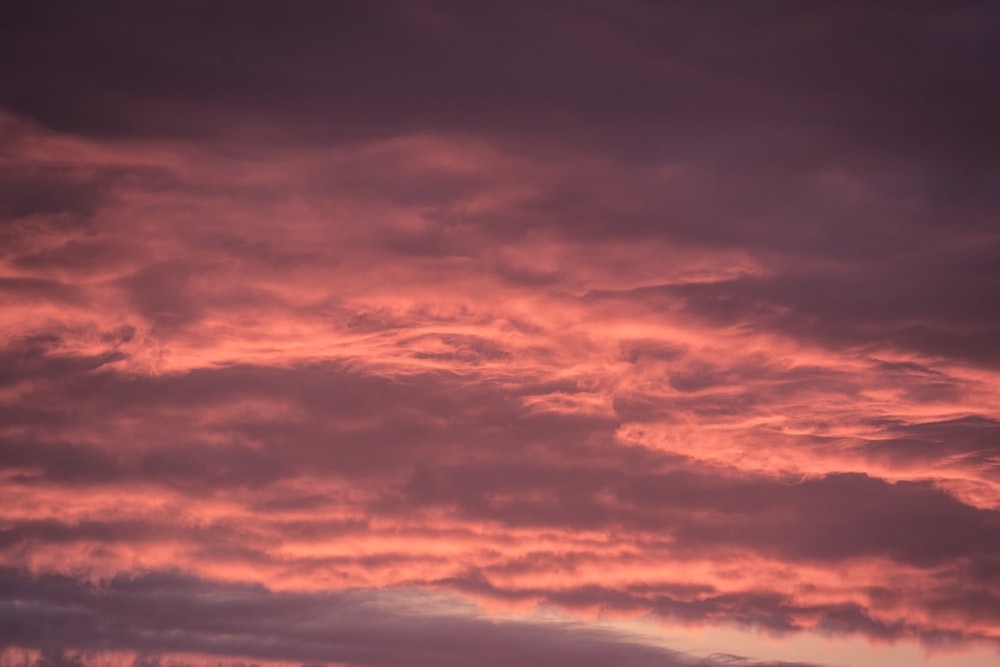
[
  {"x": 433, "y": 476},
  {"x": 369, "y": 628},
  {"x": 624, "y": 308}
]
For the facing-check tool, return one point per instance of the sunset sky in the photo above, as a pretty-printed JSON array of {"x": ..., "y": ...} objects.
[{"x": 518, "y": 333}]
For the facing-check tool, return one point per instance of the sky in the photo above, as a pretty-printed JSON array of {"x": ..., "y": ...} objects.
[{"x": 410, "y": 334}]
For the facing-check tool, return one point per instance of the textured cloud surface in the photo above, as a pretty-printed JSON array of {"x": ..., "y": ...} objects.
[{"x": 383, "y": 334}]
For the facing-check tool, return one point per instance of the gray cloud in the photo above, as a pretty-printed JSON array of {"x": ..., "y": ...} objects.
[{"x": 167, "y": 612}]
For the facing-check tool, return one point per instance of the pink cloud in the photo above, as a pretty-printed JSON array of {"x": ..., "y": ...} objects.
[{"x": 364, "y": 318}]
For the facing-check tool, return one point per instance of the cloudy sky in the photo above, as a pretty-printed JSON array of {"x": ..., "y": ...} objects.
[{"x": 416, "y": 334}]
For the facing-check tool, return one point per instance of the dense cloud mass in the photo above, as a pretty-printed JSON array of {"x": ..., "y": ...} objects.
[{"x": 376, "y": 333}]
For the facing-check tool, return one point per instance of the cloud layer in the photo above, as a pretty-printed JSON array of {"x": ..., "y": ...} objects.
[
  {"x": 383, "y": 629},
  {"x": 622, "y": 309}
]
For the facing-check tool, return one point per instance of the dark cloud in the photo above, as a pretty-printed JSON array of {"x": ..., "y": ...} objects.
[
  {"x": 932, "y": 303},
  {"x": 974, "y": 439},
  {"x": 913, "y": 80},
  {"x": 365, "y": 628},
  {"x": 70, "y": 199},
  {"x": 834, "y": 518}
]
